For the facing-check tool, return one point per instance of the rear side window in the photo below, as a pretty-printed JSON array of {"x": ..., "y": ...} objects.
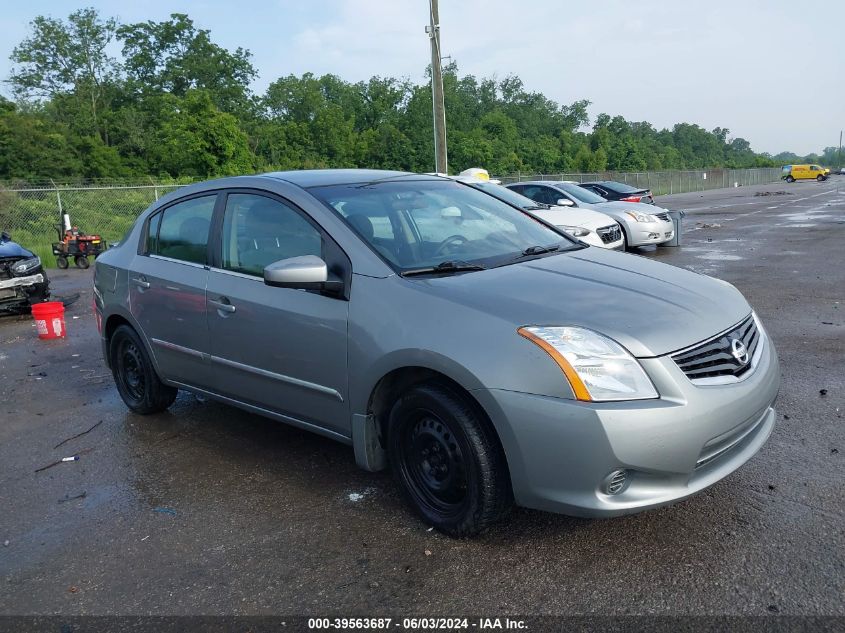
[{"x": 182, "y": 230}]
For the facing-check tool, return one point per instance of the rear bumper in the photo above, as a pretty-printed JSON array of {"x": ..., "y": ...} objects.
[{"x": 560, "y": 452}]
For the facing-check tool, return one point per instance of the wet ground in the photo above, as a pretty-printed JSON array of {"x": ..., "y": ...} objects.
[{"x": 209, "y": 510}]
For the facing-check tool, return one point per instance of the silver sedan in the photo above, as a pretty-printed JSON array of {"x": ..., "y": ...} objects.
[
  {"x": 483, "y": 355},
  {"x": 642, "y": 224}
]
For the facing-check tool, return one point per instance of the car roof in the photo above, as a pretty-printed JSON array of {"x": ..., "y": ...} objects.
[
  {"x": 324, "y": 177},
  {"x": 537, "y": 182}
]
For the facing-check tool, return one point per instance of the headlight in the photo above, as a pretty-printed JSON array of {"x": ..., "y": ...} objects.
[
  {"x": 641, "y": 217},
  {"x": 25, "y": 265},
  {"x": 596, "y": 367},
  {"x": 575, "y": 231}
]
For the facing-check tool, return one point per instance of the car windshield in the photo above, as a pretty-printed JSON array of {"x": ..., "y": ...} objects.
[
  {"x": 422, "y": 224},
  {"x": 508, "y": 195},
  {"x": 580, "y": 194}
]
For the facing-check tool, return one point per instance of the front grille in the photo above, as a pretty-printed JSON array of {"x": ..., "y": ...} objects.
[
  {"x": 715, "y": 357},
  {"x": 663, "y": 216},
  {"x": 609, "y": 234}
]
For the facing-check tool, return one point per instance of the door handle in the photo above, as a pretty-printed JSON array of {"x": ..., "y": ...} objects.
[
  {"x": 223, "y": 305},
  {"x": 140, "y": 281}
]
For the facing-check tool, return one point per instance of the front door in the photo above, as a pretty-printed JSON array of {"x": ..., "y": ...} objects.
[{"x": 280, "y": 349}]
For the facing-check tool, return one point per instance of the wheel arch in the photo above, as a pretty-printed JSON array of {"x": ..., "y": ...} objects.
[
  {"x": 113, "y": 321},
  {"x": 369, "y": 433}
]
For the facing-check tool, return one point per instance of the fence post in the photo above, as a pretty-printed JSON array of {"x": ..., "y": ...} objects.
[{"x": 61, "y": 210}]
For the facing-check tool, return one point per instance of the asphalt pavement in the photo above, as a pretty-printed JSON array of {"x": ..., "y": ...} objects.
[{"x": 206, "y": 509}]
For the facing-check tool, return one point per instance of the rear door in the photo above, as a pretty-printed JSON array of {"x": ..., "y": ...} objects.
[
  {"x": 167, "y": 282},
  {"x": 280, "y": 349}
]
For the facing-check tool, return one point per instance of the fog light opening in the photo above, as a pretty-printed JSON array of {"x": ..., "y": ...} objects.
[{"x": 615, "y": 482}]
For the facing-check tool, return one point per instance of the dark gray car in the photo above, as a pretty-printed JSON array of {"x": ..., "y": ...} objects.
[{"x": 483, "y": 355}]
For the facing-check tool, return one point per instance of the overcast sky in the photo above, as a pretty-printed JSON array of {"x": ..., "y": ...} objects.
[{"x": 771, "y": 71}]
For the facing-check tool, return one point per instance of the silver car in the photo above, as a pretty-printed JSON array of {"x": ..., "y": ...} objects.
[
  {"x": 642, "y": 224},
  {"x": 486, "y": 357}
]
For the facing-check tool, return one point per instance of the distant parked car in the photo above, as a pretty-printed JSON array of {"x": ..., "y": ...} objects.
[
  {"x": 791, "y": 173},
  {"x": 22, "y": 278},
  {"x": 592, "y": 227},
  {"x": 612, "y": 190},
  {"x": 641, "y": 224}
]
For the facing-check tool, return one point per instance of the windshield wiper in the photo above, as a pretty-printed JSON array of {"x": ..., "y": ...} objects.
[
  {"x": 538, "y": 250},
  {"x": 447, "y": 267}
]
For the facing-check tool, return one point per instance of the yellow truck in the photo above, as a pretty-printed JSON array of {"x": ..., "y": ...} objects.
[{"x": 791, "y": 173}]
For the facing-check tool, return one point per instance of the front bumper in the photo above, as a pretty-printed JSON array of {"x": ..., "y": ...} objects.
[
  {"x": 646, "y": 233},
  {"x": 561, "y": 451},
  {"x": 23, "y": 290}
]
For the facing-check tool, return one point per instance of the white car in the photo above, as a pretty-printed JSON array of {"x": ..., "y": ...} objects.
[
  {"x": 642, "y": 224},
  {"x": 591, "y": 227}
]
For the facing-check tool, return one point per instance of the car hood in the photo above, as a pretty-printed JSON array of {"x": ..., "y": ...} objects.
[
  {"x": 13, "y": 249},
  {"x": 640, "y": 207},
  {"x": 573, "y": 216},
  {"x": 649, "y": 307}
]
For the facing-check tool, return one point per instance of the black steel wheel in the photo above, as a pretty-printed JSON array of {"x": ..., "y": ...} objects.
[
  {"x": 137, "y": 382},
  {"x": 81, "y": 261},
  {"x": 447, "y": 460},
  {"x": 62, "y": 262}
]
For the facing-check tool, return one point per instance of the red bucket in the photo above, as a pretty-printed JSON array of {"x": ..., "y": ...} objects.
[{"x": 49, "y": 319}]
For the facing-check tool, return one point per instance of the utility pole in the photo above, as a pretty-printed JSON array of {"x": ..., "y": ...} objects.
[
  {"x": 438, "y": 106},
  {"x": 839, "y": 160}
]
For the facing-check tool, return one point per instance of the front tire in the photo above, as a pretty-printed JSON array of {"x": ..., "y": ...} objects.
[
  {"x": 790, "y": 179},
  {"x": 137, "y": 382},
  {"x": 447, "y": 460},
  {"x": 820, "y": 178}
]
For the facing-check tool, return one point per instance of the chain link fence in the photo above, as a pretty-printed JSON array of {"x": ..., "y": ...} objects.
[
  {"x": 32, "y": 212},
  {"x": 662, "y": 183}
]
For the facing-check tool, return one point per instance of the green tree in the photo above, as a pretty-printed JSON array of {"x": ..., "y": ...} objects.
[
  {"x": 174, "y": 56},
  {"x": 194, "y": 138},
  {"x": 67, "y": 57}
]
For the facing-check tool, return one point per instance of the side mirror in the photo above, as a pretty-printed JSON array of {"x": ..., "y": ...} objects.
[
  {"x": 565, "y": 202},
  {"x": 307, "y": 272}
]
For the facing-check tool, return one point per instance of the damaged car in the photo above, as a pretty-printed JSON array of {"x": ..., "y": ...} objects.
[{"x": 22, "y": 277}]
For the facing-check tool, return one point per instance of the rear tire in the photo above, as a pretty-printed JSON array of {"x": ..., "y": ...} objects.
[
  {"x": 137, "y": 382},
  {"x": 81, "y": 261},
  {"x": 62, "y": 262},
  {"x": 790, "y": 179},
  {"x": 448, "y": 461}
]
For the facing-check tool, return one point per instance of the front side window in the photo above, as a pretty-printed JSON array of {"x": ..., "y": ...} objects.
[
  {"x": 182, "y": 230},
  {"x": 258, "y": 231},
  {"x": 419, "y": 223}
]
